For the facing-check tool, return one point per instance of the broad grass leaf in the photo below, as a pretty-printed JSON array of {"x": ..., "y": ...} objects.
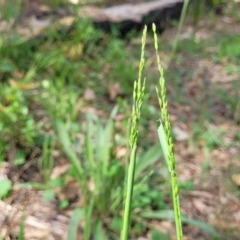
[
  {"x": 229, "y": 47},
  {"x": 35, "y": 185},
  {"x": 98, "y": 145},
  {"x": 55, "y": 183},
  {"x": 48, "y": 195},
  {"x": 20, "y": 157},
  {"x": 88, "y": 220},
  {"x": 76, "y": 217},
  {"x": 63, "y": 135},
  {"x": 5, "y": 187},
  {"x": 156, "y": 235},
  {"x": 66, "y": 143},
  {"x": 21, "y": 235},
  {"x": 7, "y": 66},
  {"x": 147, "y": 159},
  {"x": 202, "y": 225},
  {"x": 99, "y": 233},
  {"x": 106, "y": 141},
  {"x": 89, "y": 145},
  {"x": 164, "y": 143},
  {"x": 169, "y": 215}
]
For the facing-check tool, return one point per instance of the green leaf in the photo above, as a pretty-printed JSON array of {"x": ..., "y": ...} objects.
[
  {"x": 156, "y": 235},
  {"x": 169, "y": 215},
  {"x": 188, "y": 185},
  {"x": 20, "y": 158},
  {"x": 5, "y": 187},
  {"x": 99, "y": 233},
  {"x": 48, "y": 195},
  {"x": 88, "y": 218},
  {"x": 164, "y": 143},
  {"x": 64, "y": 204},
  {"x": 57, "y": 182},
  {"x": 89, "y": 145},
  {"x": 76, "y": 217},
  {"x": 116, "y": 223},
  {"x": 6, "y": 66},
  {"x": 147, "y": 159},
  {"x": 10, "y": 9},
  {"x": 32, "y": 185},
  {"x": 107, "y": 140},
  {"x": 66, "y": 143},
  {"x": 22, "y": 230},
  {"x": 63, "y": 135}
]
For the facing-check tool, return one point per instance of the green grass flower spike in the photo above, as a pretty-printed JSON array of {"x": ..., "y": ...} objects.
[
  {"x": 138, "y": 94},
  {"x": 164, "y": 133}
]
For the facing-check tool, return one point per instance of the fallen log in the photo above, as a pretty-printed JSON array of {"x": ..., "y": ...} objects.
[
  {"x": 125, "y": 17},
  {"x": 133, "y": 16}
]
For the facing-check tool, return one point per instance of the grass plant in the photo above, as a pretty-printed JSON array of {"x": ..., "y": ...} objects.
[
  {"x": 179, "y": 30},
  {"x": 97, "y": 171},
  {"x": 138, "y": 95},
  {"x": 164, "y": 132},
  {"x": 165, "y": 137}
]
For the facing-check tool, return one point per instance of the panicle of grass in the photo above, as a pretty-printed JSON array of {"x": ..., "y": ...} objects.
[
  {"x": 138, "y": 95},
  {"x": 164, "y": 132}
]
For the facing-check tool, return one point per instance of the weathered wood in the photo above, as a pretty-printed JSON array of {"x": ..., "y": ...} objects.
[
  {"x": 132, "y": 16},
  {"x": 125, "y": 17},
  {"x": 127, "y": 12}
]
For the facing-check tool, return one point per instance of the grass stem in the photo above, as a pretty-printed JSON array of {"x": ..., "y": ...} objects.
[
  {"x": 179, "y": 30},
  {"x": 138, "y": 94},
  {"x": 164, "y": 132}
]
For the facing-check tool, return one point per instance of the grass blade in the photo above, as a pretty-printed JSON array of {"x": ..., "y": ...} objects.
[
  {"x": 80, "y": 175},
  {"x": 164, "y": 144},
  {"x": 169, "y": 215},
  {"x": 76, "y": 217},
  {"x": 179, "y": 30},
  {"x": 66, "y": 143},
  {"x": 99, "y": 233},
  {"x": 166, "y": 139},
  {"x": 147, "y": 159},
  {"x": 21, "y": 235},
  {"x": 89, "y": 146},
  {"x": 107, "y": 141},
  {"x": 88, "y": 219},
  {"x": 138, "y": 94},
  {"x": 155, "y": 235}
]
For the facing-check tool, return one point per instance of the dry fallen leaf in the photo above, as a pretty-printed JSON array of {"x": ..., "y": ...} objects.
[
  {"x": 33, "y": 233},
  {"x": 23, "y": 86},
  {"x": 180, "y": 134},
  {"x": 71, "y": 191},
  {"x": 236, "y": 179},
  {"x": 114, "y": 90},
  {"x": 224, "y": 224},
  {"x": 73, "y": 52},
  {"x": 203, "y": 194},
  {"x": 66, "y": 21},
  {"x": 236, "y": 216},
  {"x": 121, "y": 152},
  {"x": 89, "y": 95},
  {"x": 3, "y": 231},
  {"x": 59, "y": 171},
  {"x": 163, "y": 226},
  {"x": 202, "y": 207}
]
